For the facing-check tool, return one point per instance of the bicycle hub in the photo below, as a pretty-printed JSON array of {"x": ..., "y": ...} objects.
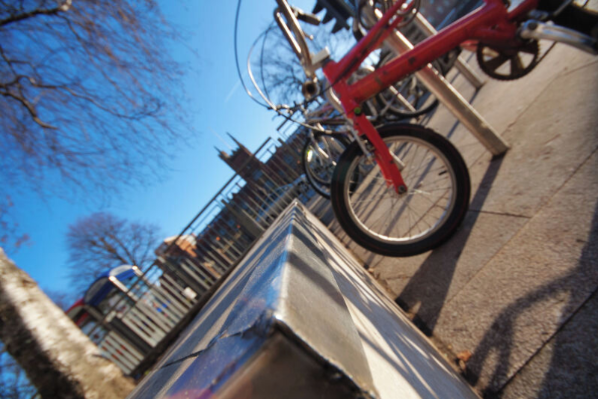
[{"x": 310, "y": 89}]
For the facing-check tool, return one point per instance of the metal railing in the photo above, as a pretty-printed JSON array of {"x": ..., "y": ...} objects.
[{"x": 150, "y": 309}]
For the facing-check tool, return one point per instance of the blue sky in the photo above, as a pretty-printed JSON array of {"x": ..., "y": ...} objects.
[{"x": 219, "y": 104}]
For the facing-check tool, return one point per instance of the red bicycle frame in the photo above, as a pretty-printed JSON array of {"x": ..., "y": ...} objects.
[{"x": 490, "y": 23}]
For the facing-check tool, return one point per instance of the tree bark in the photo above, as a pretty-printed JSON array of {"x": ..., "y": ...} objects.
[{"x": 58, "y": 358}]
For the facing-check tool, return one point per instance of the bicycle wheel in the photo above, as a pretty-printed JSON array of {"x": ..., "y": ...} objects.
[
  {"x": 408, "y": 97},
  {"x": 384, "y": 222},
  {"x": 320, "y": 156}
]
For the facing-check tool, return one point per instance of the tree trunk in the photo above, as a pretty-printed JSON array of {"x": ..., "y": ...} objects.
[{"x": 58, "y": 358}]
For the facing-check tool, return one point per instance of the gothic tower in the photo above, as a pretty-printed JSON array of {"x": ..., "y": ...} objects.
[{"x": 244, "y": 163}]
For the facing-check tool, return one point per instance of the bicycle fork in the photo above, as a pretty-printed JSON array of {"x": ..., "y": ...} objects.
[{"x": 390, "y": 165}]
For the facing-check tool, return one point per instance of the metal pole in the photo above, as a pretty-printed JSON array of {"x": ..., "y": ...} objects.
[
  {"x": 250, "y": 225},
  {"x": 449, "y": 96},
  {"x": 468, "y": 73}
]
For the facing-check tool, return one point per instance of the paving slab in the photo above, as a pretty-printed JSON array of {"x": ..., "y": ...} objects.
[
  {"x": 520, "y": 299},
  {"x": 423, "y": 284},
  {"x": 549, "y": 142},
  {"x": 506, "y": 106},
  {"x": 576, "y": 346}
]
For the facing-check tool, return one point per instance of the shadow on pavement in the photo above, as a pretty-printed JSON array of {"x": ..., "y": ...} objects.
[
  {"x": 429, "y": 287},
  {"x": 573, "y": 368}
]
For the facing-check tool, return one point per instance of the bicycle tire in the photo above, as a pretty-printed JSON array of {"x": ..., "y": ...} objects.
[
  {"x": 317, "y": 174},
  {"x": 419, "y": 97},
  {"x": 358, "y": 217}
]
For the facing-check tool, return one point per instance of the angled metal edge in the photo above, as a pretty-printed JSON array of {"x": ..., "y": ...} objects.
[
  {"x": 312, "y": 309},
  {"x": 289, "y": 289}
]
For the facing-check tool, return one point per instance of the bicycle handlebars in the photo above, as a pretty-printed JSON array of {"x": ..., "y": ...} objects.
[
  {"x": 296, "y": 36},
  {"x": 306, "y": 17}
]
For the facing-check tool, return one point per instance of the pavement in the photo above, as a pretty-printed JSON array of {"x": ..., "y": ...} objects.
[{"x": 513, "y": 294}]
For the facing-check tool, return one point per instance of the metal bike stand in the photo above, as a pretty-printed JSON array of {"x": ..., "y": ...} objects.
[
  {"x": 448, "y": 95},
  {"x": 468, "y": 73},
  {"x": 453, "y": 100}
]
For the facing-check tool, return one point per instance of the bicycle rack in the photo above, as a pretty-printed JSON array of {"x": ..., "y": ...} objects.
[
  {"x": 468, "y": 73},
  {"x": 448, "y": 95}
]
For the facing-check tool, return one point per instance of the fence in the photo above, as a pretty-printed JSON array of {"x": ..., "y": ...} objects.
[{"x": 144, "y": 313}]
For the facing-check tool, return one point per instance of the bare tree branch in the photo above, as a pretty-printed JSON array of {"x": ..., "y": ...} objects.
[
  {"x": 101, "y": 241},
  {"x": 34, "y": 13},
  {"x": 29, "y": 108},
  {"x": 90, "y": 96}
]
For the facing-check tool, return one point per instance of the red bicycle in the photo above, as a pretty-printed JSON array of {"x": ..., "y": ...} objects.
[{"x": 401, "y": 189}]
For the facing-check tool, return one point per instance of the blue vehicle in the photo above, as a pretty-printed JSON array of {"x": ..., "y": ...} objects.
[{"x": 107, "y": 290}]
